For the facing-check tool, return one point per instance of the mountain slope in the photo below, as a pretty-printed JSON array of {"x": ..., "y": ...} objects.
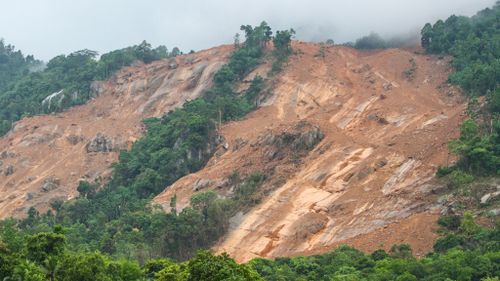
[
  {"x": 44, "y": 157},
  {"x": 382, "y": 119},
  {"x": 348, "y": 141}
]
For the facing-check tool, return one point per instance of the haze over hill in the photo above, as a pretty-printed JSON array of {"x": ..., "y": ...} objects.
[
  {"x": 245, "y": 160},
  {"x": 52, "y": 27}
]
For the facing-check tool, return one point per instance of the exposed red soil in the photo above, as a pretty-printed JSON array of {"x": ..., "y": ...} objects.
[{"x": 386, "y": 130}]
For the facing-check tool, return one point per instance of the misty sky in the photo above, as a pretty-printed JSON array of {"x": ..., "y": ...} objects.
[{"x": 47, "y": 28}]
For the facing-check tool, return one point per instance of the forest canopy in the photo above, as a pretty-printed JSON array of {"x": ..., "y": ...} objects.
[{"x": 25, "y": 82}]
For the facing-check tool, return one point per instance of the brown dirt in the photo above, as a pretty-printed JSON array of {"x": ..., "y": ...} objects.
[
  {"x": 54, "y": 146},
  {"x": 369, "y": 181}
]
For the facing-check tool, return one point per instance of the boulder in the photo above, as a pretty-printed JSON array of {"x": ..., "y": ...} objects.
[
  {"x": 9, "y": 170},
  {"x": 387, "y": 86},
  {"x": 74, "y": 139},
  {"x": 172, "y": 65},
  {"x": 7, "y": 154},
  {"x": 100, "y": 143},
  {"x": 381, "y": 163},
  {"x": 50, "y": 184},
  {"x": 30, "y": 195}
]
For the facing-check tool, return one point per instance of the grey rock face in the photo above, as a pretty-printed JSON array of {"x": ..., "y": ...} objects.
[
  {"x": 296, "y": 140},
  {"x": 200, "y": 184}
]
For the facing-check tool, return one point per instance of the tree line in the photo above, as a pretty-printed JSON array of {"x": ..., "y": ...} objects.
[
  {"x": 474, "y": 44},
  {"x": 466, "y": 252}
]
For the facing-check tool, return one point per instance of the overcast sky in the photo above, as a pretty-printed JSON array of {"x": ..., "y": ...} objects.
[{"x": 47, "y": 28}]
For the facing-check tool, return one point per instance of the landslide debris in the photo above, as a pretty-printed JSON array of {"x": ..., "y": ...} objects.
[{"x": 377, "y": 126}]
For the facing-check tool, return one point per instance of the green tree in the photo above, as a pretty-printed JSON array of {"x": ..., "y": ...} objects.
[
  {"x": 86, "y": 189},
  {"x": 45, "y": 249},
  {"x": 207, "y": 267}
]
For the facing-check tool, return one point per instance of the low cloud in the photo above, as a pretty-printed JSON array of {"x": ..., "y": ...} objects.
[{"x": 47, "y": 28}]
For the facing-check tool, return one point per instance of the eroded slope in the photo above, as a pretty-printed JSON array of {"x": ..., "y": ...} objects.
[
  {"x": 43, "y": 158},
  {"x": 385, "y": 118}
]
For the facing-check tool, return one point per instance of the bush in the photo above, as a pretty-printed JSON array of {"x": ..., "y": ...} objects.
[
  {"x": 371, "y": 41},
  {"x": 450, "y": 222},
  {"x": 459, "y": 179}
]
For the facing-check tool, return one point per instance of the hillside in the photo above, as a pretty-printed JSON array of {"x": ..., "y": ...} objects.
[
  {"x": 44, "y": 157},
  {"x": 378, "y": 122},
  {"x": 267, "y": 159},
  {"x": 375, "y": 123},
  {"x": 377, "y": 136}
]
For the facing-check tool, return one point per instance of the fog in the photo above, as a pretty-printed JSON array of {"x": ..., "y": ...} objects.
[{"x": 46, "y": 28}]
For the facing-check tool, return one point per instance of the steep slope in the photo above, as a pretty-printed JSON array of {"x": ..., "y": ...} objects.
[
  {"x": 43, "y": 158},
  {"x": 382, "y": 119}
]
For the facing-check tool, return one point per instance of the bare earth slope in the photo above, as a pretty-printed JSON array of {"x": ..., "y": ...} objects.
[
  {"x": 386, "y": 117},
  {"x": 44, "y": 157}
]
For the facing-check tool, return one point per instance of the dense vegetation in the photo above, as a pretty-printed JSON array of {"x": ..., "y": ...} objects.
[
  {"x": 466, "y": 252},
  {"x": 119, "y": 220},
  {"x": 474, "y": 44},
  {"x": 13, "y": 64},
  {"x": 25, "y": 83},
  {"x": 45, "y": 256},
  {"x": 375, "y": 41}
]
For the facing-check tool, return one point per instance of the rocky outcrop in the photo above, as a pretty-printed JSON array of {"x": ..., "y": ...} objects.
[
  {"x": 100, "y": 143},
  {"x": 50, "y": 184},
  {"x": 7, "y": 154},
  {"x": 74, "y": 139},
  {"x": 9, "y": 170},
  {"x": 97, "y": 88},
  {"x": 299, "y": 140}
]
